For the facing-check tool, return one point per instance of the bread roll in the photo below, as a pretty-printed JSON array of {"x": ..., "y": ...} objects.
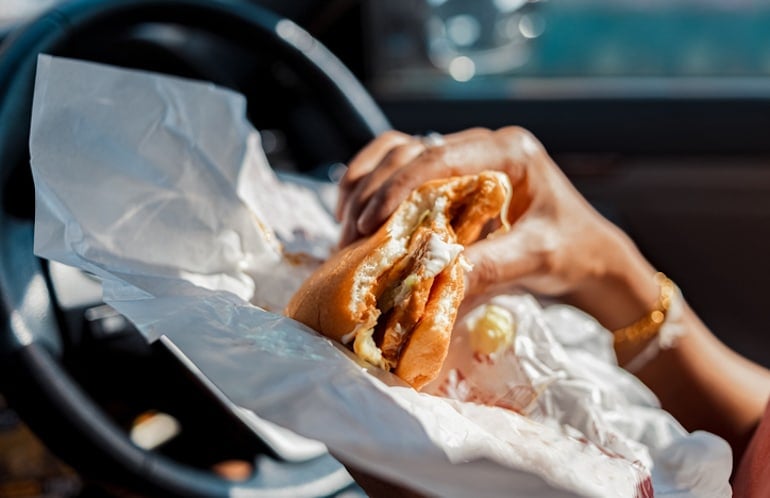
[{"x": 393, "y": 297}]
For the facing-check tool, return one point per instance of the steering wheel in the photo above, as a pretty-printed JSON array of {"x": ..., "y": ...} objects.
[{"x": 78, "y": 385}]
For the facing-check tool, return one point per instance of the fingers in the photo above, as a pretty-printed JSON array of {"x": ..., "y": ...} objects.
[
  {"x": 366, "y": 160},
  {"x": 504, "y": 261},
  {"x": 538, "y": 253},
  {"x": 382, "y": 192},
  {"x": 385, "y": 148},
  {"x": 380, "y": 160},
  {"x": 362, "y": 191},
  {"x": 384, "y": 173}
]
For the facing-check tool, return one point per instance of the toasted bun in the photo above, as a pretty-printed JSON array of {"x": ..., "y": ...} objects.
[{"x": 393, "y": 297}]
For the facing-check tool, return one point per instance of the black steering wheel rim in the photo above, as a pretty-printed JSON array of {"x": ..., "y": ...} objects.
[{"x": 30, "y": 340}]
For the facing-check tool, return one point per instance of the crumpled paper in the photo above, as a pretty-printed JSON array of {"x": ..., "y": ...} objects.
[{"x": 158, "y": 185}]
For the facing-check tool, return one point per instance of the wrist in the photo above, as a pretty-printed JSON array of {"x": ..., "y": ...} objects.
[
  {"x": 622, "y": 289},
  {"x": 660, "y": 328}
]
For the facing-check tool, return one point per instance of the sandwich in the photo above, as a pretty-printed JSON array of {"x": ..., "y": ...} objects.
[{"x": 393, "y": 297}]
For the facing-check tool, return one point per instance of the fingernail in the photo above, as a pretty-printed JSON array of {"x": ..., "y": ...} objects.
[
  {"x": 341, "y": 208},
  {"x": 346, "y": 235},
  {"x": 365, "y": 219}
]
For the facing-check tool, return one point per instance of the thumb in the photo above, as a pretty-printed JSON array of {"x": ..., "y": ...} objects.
[{"x": 500, "y": 262}]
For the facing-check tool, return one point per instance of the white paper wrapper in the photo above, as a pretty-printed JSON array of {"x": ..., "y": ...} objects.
[{"x": 158, "y": 185}]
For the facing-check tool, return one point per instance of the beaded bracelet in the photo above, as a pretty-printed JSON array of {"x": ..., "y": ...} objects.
[
  {"x": 662, "y": 324},
  {"x": 649, "y": 325}
]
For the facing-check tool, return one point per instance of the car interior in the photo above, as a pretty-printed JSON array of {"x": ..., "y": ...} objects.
[{"x": 656, "y": 111}]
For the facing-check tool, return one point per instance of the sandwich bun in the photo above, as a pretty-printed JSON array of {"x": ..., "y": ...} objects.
[{"x": 393, "y": 297}]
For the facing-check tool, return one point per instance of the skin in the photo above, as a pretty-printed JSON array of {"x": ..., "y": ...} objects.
[{"x": 560, "y": 246}]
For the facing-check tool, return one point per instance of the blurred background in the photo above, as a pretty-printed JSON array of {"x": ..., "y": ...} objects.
[
  {"x": 658, "y": 110},
  {"x": 491, "y": 41}
]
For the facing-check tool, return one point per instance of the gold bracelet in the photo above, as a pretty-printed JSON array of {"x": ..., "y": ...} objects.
[{"x": 649, "y": 325}]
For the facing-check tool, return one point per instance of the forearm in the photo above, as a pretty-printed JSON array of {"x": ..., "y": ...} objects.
[
  {"x": 618, "y": 290},
  {"x": 700, "y": 381},
  {"x": 707, "y": 386}
]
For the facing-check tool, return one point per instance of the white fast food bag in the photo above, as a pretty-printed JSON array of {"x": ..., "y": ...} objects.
[{"x": 159, "y": 186}]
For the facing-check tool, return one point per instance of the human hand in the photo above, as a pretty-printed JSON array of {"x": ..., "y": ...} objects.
[{"x": 558, "y": 244}]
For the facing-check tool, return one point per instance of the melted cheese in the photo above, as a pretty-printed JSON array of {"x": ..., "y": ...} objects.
[
  {"x": 439, "y": 255},
  {"x": 507, "y": 202},
  {"x": 366, "y": 349}
]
